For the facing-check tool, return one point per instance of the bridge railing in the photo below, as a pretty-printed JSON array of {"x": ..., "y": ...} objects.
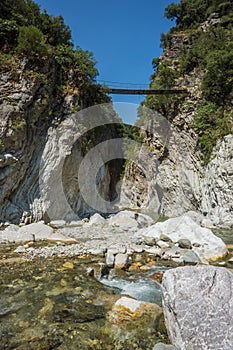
[{"x": 137, "y": 89}]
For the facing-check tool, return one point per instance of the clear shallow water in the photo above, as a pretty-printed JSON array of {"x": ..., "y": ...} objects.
[
  {"x": 141, "y": 288},
  {"x": 45, "y": 304},
  {"x": 137, "y": 285}
]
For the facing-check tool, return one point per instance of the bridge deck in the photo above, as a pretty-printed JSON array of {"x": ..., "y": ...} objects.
[{"x": 145, "y": 91}]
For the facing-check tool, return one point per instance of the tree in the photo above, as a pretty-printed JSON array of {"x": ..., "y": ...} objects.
[
  {"x": 55, "y": 29},
  {"x": 8, "y": 33},
  {"x": 31, "y": 42},
  {"x": 218, "y": 79}
]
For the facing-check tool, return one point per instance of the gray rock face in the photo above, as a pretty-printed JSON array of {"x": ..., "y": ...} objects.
[
  {"x": 198, "y": 307},
  {"x": 217, "y": 185},
  {"x": 37, "y": 139},
  {"x": 39, "y": 148},
  {"x": 181, "y": 183},
  {"x": 174, "y": 183}
]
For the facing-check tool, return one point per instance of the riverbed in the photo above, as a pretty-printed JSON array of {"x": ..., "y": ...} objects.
[{"x": 57, "y": 303}]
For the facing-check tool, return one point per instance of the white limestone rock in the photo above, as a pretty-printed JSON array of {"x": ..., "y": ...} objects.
[
  {"x": 38, "y": 230},
  {"x": 121, "y": 261},
  {"x": 110, "y": 258},
  {"x": 129, "y": 220},
  {"x": 198, "y": 307},
  {"x": 96, "y": 220},
  {"x": 210, "y": 247},
  {"x": 57, "y": 223},
  {"x": 217, "y": 184},
  {"x": 15, "y": 236}
]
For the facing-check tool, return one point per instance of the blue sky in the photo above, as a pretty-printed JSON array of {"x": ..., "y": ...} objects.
[{"x": 124, "y": 35}]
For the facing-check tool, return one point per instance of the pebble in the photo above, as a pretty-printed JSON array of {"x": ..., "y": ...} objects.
[
  {"x": 68, "y": 265},
  {"x": 20, "y": 249},
  {"x": 151, "y": 241},
  {"x": 165, "y": 238},
  {"x": 163, "y": 244},
  {"x": 154, "y": 250},
  {"x": 137, "y": 248},
  {"x": 185, "y": 243}
]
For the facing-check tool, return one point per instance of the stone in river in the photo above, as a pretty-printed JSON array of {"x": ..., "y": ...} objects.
[
  {"x": 198, "y": 307},
  {"x": 121, "y": 261},
  {"x": 127, "y": 309},
  {"x": 110, "y": 258}
]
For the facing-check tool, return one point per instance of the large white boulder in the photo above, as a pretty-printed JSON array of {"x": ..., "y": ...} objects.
[
  {"x": 204, "y": 243},
  {"x": 39, "y": 230},
  {"x": 96, "y": 220},
  {"x": 15, "y": 236},
  {"x": 198, "y": 307},
  {"x": 129, "y": 220}
]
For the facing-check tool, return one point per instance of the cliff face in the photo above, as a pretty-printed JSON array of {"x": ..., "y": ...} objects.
[
  {"x": 186, "y": 167},
  {"x": 184, "y": 180},
  {"x": 36, "y": 140}
]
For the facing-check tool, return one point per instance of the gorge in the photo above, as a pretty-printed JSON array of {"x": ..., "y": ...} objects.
[{"x": 94, "y": 211}]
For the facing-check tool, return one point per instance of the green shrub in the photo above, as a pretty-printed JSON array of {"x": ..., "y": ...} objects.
[
  {"x": 210, "y": 124},
  {"x": 31, "y": 42},
  {"x": 8, "y": 33},
  {"x": 218, "y": 79}
]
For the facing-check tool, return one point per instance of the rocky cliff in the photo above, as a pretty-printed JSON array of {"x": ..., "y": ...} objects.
[
  {"x": 184, "y": 162},
  {"x": 37, "y": 138},
  {"x": 195, "y": 172}
]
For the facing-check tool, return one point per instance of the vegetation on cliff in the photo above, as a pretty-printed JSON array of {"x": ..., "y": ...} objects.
[
  {"x": 26, "y": 32},
  {"x": 199, "y": 46}
]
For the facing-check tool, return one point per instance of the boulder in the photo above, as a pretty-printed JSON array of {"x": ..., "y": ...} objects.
[
  {"x": 198, "y": 307},
  {"x": 129, "y": 309},
  {"x": 190, "y": 257},
  {"x": 96, "y": 220},
  {"x": 121, "y": 261},
  {"x": 129, "y": 220},
  {"x": 204, "y": 243},
  {"x": 38, "y": 230},
  {"x": 126, "y": 324},
  {"x": 57, "y": 223},
  {"x": 185, "y": 243},
  {"x": 20, "y": 249},
  {"x": 110, "y": 258},
  {"x": 15, "y": 236},
  {"x": 155, "y": 251},
  {"x": 11, "y": 228}
]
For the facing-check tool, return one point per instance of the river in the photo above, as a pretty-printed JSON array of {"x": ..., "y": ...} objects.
[{"x": 54, "y": 303}]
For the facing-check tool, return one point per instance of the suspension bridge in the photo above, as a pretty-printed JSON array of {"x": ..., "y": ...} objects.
[{"x": 136, "y": 89}]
